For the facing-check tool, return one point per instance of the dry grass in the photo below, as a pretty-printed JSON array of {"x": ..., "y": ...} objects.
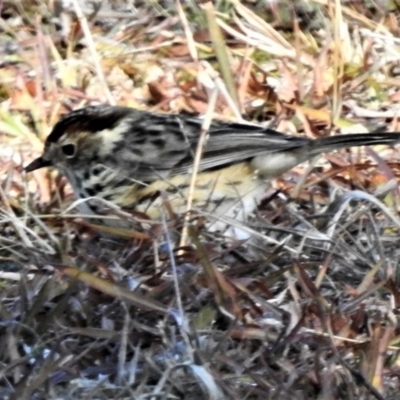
[{"x": 307, "y": 309}]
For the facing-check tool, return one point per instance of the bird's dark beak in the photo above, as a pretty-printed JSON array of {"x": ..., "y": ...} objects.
[{"x": 40, "y": 162}]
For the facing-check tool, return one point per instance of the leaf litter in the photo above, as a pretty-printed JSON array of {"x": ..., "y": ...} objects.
[{"x": 306, "y": 309}]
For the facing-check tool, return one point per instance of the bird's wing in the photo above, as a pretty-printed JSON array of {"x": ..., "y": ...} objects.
[{"x": 164, "y": 145}]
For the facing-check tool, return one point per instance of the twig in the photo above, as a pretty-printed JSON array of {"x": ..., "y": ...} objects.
[
  {"x": 199, "y": 150},
  {"x": 92, "y": 49}
]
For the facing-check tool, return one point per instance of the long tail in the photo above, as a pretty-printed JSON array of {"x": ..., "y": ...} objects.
[
  {"x": 330, "y": 143},
  {"x": 278, "y": 162}
]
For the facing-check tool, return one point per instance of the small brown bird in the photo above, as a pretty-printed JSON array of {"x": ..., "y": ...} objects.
[{"x": 128, "y": 157}]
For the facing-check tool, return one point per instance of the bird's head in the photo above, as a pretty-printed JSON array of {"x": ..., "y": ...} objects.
[{"x": 82, "y": 138}]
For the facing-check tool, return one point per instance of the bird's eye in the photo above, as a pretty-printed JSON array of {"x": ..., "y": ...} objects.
[{"x": 68, "y": 150}]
